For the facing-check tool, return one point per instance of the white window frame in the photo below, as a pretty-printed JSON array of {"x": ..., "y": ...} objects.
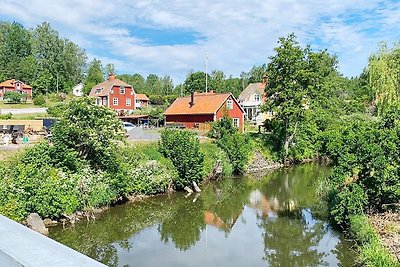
[
  {"x": 115, "y": 101},
  {"x": 229, "y": 104},
  {"x": 128, "y": 102},
  {"x": 236, "y": 122},
  {"x": 122, "y": 90},
  {"x": 257, "y": 97}
]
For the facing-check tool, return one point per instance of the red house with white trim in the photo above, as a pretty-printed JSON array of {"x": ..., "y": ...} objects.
[
  {"x": 198, "y": 108},
  {"x": 115, "y": 94},
  {"x": 15, "y": 86}
]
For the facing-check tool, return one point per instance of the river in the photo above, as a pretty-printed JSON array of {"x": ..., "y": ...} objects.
[{"x": 277, "y": 221}]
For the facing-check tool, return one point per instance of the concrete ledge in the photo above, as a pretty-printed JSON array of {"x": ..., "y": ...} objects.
[{"x": 21, "y": 246}]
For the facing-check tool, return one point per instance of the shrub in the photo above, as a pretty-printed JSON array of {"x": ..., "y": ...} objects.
[
  {"x": 212, "y": 153},
  {"x": 237, "y": 147},
  {"x": 39, "y": 100},
  {"x": 221, "y": 128},
  {"x": 183, "y": 149},
  {"x": 14, "y": 97},
  {"x": 5, "y": 116}
]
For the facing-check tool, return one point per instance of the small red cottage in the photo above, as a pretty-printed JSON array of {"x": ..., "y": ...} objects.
[
  {"x": 115, "y": 94},
  {"x": 15, "y": 86},
  {"x": 142, "y": 101},
  {"x": 191, "y": 111}
]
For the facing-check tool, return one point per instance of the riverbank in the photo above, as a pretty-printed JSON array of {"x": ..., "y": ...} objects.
[{"x": 372, "y": 249}]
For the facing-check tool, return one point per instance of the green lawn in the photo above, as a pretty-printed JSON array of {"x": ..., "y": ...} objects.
[{"x": 26, "y": 105}]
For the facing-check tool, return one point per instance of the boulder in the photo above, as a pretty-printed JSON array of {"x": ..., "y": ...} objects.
[
  {"x": 188, "y": 189},
  {"x": 36, "y": 223}
]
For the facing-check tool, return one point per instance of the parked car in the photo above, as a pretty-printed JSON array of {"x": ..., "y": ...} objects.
[{"x": 128, "y": 126}]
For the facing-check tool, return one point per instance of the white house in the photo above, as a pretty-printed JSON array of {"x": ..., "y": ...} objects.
[
  {"x": 251, "y": 99},
  {"x": 77, "y": 90}
]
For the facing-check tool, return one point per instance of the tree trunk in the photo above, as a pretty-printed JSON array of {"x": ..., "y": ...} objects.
[{"x": 289, "y": 139}]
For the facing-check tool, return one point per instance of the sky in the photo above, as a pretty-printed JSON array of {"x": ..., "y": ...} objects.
[{"x": 172, "y": 37}]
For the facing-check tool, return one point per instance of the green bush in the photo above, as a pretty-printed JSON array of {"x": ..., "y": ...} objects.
[
  {"x": 14, "y": 97},
  {"x": 237, "y": 147},
  {"x": 39, "y": 100},
  {"x": 5, "y": 116},
  {"x": 212, "y": 153},
  {"x": 183, "y": 149},
  {"x": 221, "y": 128}
]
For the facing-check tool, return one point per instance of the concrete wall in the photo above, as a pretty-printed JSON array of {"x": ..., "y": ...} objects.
[{"x": 21, "y": 246}]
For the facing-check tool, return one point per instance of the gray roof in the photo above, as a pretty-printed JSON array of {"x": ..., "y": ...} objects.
[{"x": 251, "y": 88}]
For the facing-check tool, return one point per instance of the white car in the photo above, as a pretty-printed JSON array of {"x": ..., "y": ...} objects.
[{"x": 128, "y": 126}]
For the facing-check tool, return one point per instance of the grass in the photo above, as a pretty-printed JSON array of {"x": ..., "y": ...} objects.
[
  {"x": 18, "y": 106},
  {"x": 372, "y": 252}
]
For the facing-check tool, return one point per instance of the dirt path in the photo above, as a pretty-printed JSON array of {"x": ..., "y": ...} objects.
[{"x": 388, "y": 227}]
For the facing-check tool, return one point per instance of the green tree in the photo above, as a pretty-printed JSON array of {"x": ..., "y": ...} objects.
[
  {"x": 183, "y": 149},
  {"x": 109, "y": 69},
  {"x": 196, "y": 82},
  {"x": 90, "y": 130},
  {"x": 94, "y": 75},
  {"x": 14, "y": 97}
]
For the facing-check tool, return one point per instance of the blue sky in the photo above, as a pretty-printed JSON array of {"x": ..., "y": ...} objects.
[{"x": 171, "y": 37}]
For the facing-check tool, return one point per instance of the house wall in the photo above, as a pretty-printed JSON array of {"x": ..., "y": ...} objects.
[
  {"x": 236, "y": 112},
  {"x": 122, "y": 99},
  {"x": 189, "y": 120}
]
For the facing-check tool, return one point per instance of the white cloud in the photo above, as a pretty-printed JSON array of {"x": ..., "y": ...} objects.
[{"x": 238, "y": 34}]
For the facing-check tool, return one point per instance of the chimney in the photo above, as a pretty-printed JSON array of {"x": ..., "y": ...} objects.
[
  {"x": 111, "y": 77},
  {"x": 191, "y": 99}
]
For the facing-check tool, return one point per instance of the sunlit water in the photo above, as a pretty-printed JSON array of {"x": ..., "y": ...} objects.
[{"x": 236, "y": 222}]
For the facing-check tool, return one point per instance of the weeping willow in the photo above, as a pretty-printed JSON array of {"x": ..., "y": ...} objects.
[{"x": 384, "y": 75}]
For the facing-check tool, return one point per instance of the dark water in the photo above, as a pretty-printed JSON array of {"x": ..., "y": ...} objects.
[{"x": 237, "y": 222}]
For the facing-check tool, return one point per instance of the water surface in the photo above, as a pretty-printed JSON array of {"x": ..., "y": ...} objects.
[{"x": 277, "y": 221}]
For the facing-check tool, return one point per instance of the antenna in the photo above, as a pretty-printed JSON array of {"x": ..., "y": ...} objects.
[{"x": 206, "y": 72}]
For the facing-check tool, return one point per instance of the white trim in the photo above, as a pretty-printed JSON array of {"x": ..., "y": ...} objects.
[{"x": 115, "y": 98}]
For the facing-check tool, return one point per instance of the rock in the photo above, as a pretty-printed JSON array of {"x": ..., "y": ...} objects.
[
  {"x": 196, "y": 187},
  {"x": 216, "y": 172},
  {"x": 48, "y": 222},
  {"x": 196, "y": 197},
  {"x": 187, "y": 189},
  {"x": 36, "y": 223}
]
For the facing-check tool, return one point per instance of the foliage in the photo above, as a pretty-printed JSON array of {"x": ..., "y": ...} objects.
[
  {"x": 183, "y": 149},
  {"x": 14, "y": 97},
  {"x": 212, "y": 154},
  {"x": 5, "y": 116},
  {"x": 372, "y": 253},
  {"x": 90, "y": 130},
  {"x": 94, "y": 75},
  {"x": 221, "y": 128},
  {"x": 39, "y": 100}
]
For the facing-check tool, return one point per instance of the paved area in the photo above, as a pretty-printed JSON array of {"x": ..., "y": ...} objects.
[
  {"x": 141, "y": 134},
  {"x": 22, "y": 110}
]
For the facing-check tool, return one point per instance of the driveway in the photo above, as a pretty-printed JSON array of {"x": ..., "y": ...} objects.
[
  {"x": 15, "y": 111},
  {"x": 140, "y": 134}
]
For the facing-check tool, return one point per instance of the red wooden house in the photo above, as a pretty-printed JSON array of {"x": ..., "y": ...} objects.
[
  {"x": 115, "y": 94},
  {"x": 15, "y": 86},
  {"x": 200, "y": 108}
]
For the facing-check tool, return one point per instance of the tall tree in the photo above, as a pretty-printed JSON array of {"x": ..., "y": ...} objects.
[
  {"x": 196, "y": 82},
  {"x": 109, "y": 69},
  {"x": 94, "y": 75}
]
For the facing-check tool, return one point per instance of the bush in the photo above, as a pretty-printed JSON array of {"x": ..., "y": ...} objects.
[
  {"x": 14, "y": 97},
  {"x": 212, "y": 153},
  {"x": 39, "y": 100},
  {"x": 183, "y": 149},
  {"x": 7, "y": 116},
  {"x": 237, "y": 147},
  {"x": 221, "y": 128}
]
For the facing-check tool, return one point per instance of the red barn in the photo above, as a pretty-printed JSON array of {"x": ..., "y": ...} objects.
[
  {"x": 15, "y": 86},
  {"x": 191, "y": 111},
  {"x": 115, "y": 94}
]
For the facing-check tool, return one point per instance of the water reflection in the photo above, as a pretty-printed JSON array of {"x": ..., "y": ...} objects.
[{"x": 237, "y": 222}]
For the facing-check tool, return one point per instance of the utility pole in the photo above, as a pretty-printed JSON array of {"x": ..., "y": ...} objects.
[{"x": 206, "y": 72}]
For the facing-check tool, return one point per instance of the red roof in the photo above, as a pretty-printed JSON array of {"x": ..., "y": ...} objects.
[
  {"x": 105, "y": 87},
  {"x": 203, "y": 104},
  {"x": 10, "y": 83},
  {"x": 142, "y": 97}
]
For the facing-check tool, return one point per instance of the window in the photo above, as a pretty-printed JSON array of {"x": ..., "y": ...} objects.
[
  {"x": 257, "y": 97},
  {"x": 122, "y": 90},
  {"x": 98, "y": 91},
  {"x": 112, "y": 91},
  {"x": 128, "y": 101},
  {"x": 236, "y": 122},
  {"x": 115, "y": 101},
  {"x": 104, "y": 101},
  {"x": 229, "y": 104}
]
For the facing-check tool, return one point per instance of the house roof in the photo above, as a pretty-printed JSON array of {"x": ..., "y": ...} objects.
[
  {"x": 203, "y": 104},
  {"x": 142, "y": 97},
  {"x": 107, "y": 85},
  {"x": 10, "y": 83},
  {"x": 251, "y": 88}
]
